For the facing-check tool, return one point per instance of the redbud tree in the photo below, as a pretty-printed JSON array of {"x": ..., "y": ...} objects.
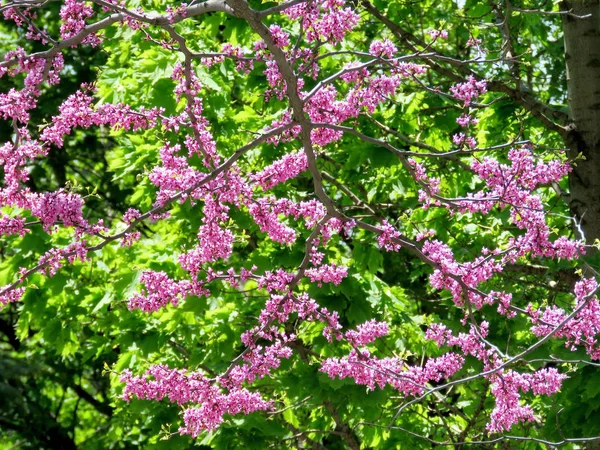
[{"x": 299, "y": 224}]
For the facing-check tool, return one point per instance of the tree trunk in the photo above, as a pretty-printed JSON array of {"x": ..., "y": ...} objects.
[{"x": 582, "y": 56}]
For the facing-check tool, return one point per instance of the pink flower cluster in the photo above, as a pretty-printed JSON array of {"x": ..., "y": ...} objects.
[
  {"x": 431, "y": 185},
  {"x": 12, "y": 225},
  {"x": 435, "y": 34},
  {"x": 190, "y": 389},
  {"x": 266, "y": 211},
  {"x": 159, "y": 290},
  {"x": 15, "y": 104},
  {"x": 260, "y": 360},
  {"x": 469, "y": 90},
  {"x": 469, "y": 343},
  {"x": 74, "y": 13},
  {"x": 385, "y": 48},
  {"x": 77, "y": 111},
  {"x": 325, "y": 106},
  {"x": 280, "y": 37},
  {"x": 367, "y": 333},
  {"x": 51, "y": 261},
  {"x": 581, "y": 330},
  {"x": 51, "y": 207},
  {"x": 327, "y": 273},
  {"x": 288, "y": 167},
  {"x": 465, "y": 120},
  {"x": 387, "y": 236},
  {"x": 174, "y": 12},
  {"x": 9, "y": 295},
  {"x": 373, "y": 372},
  {"x": 460, "y": 140},
  {"x": 510, "y": 186},
  {"x": 506, "y": 387},
  {"x": 25, "y": 18},
  {"x": 326, "y": 20}
]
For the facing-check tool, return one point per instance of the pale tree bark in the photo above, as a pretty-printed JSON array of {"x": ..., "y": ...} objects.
[{"x": 582, "y": 56}]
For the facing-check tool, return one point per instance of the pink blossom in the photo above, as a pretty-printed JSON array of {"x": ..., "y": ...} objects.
[
  {"x": 465, "y": 120},
  {"x": 12, "y": 225},
  {"x": 387, "y": 236},
  {"x": 11, "y": 295},
  {"x": 460, "y": 139},
  {"x": 435, "y": 34},
  {"x": 326, "y": 20},
  {"x": 280, "y": 37},
  {"x": 374, "y": 372},
  {"x": 158, "y": 291},
  {"x": 206, "y": 403},
  {"x": 288, "y": 167},
  {"x": 469, "y": 90},
  {"x": 327, "y": 273},
  {"x": 60, "y": 205},
  {"x": 367, "y": 333},
  {"x": 384, "y": 48},
  {"x": 74, "y": 13},
  {"x": 505, "y": 388}
]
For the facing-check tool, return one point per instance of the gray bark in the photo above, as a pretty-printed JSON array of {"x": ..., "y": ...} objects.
[{"x": 582, "y": 56}]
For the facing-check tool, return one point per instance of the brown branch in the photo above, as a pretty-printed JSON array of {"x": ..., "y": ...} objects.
[
  {"x": 99, "y": 406},
  {"x": 341, "y": 427},
  {"x": 301, "y": 435},
  {"x": 553, "y": 13}
]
